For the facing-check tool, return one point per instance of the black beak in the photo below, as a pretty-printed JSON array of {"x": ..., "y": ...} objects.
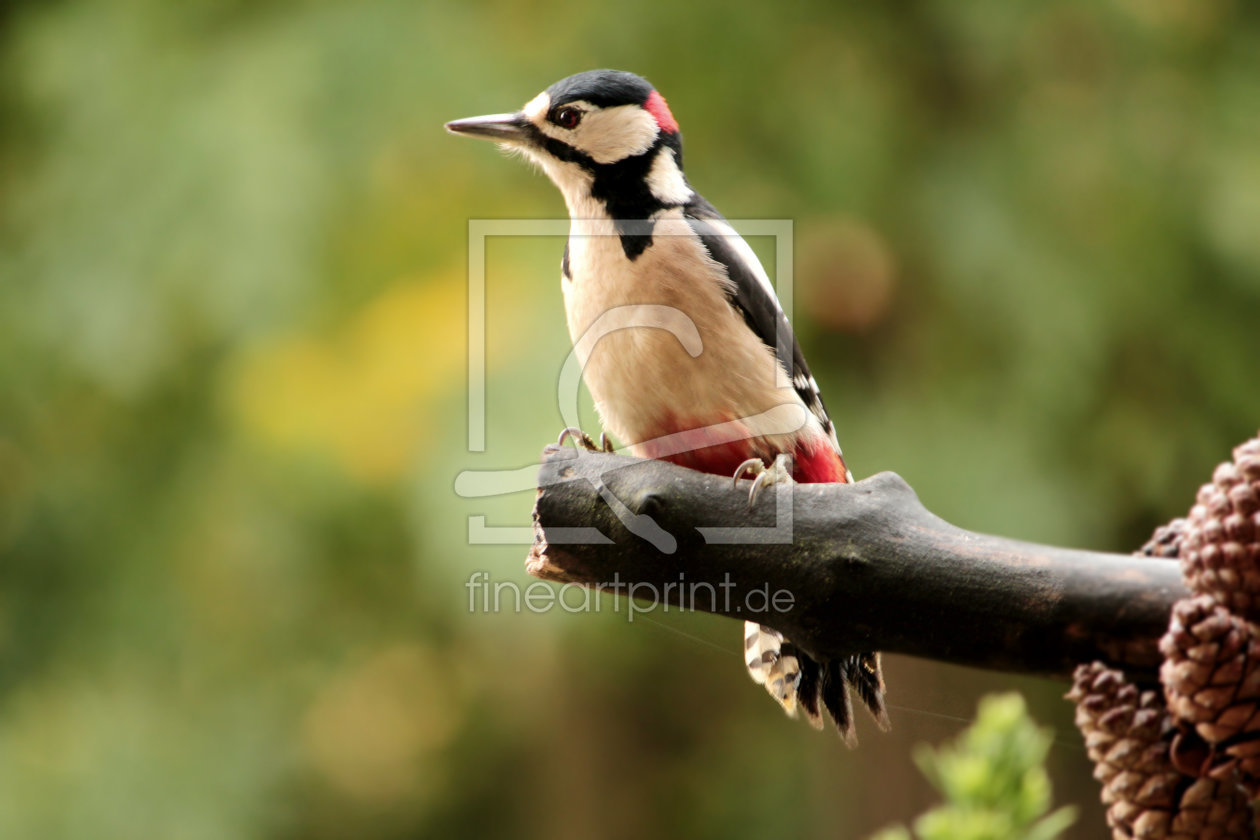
[{"x": 502, "y": 128}]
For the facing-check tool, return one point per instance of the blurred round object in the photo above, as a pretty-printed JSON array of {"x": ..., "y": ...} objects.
[{"x": 847, "y": 272}]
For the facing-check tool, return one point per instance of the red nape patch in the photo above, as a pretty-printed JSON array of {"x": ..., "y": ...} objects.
[
  {"x": 656, "y": 106},
  {"x": 815, "y": 462}
]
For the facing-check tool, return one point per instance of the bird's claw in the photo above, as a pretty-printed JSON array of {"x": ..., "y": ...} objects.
[
  {"x": 779, "y": 472},
  {"x": 582, "y": 439},
  {"x": 753, "y": 465}
]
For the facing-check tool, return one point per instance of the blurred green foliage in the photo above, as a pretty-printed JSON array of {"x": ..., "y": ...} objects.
[
  {"x": 233, "y": 400},
  {"x": 993, "y": 780}
]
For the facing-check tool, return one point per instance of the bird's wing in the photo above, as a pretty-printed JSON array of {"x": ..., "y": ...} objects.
[{"x": 752, "y": 295}]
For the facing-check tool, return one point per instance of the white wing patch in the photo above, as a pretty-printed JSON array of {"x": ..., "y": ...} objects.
[{"x": 745, "y": 253}]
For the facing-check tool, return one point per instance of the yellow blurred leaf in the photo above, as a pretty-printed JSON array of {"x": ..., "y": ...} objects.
[{"x": 362, "y": 394}]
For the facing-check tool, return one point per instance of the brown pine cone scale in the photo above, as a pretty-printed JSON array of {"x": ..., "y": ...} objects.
[
  {"x": 1127, "y": 734},
  {"x": 1220, "y": 547},
  {"x": 1211, "y": 670}
]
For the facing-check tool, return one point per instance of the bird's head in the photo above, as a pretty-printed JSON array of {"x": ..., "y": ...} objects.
[{"x": 602, "y": 134}]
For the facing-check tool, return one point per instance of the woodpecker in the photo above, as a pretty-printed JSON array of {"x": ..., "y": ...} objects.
[{"x": 701, "y": 367}]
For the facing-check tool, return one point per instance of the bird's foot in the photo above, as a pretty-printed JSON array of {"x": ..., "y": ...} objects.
[
  {"x": 779, "y": 472},
  {"x": 582, "y": 439}
]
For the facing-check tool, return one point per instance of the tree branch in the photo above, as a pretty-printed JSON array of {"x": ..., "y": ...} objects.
[{"x": 865, "y": 567}]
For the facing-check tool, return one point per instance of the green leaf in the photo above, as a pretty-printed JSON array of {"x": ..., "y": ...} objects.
[{"x": 992, "y": 779}]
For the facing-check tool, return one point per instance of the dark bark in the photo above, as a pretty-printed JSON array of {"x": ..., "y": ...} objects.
[{"x": 866, "y": 567}]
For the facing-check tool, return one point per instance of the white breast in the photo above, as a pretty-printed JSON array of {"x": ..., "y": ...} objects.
[{"x": 642, "y": 364}]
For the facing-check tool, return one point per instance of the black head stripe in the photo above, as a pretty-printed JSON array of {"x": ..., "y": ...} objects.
[
  {"x": 558, "y": 148},
  {"x": 621, "y": 186}
]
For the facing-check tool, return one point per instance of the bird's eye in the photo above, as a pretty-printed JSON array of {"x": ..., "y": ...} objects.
[{"x": 567, "y": 117}]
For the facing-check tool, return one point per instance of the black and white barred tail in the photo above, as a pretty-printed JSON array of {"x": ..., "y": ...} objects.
[{"x": 799, "y": 682}]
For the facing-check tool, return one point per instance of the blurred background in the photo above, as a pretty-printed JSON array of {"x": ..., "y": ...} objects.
[{"x": 233, "y": 398}]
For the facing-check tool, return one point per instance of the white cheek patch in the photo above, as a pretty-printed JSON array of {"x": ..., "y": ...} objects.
[
  {"x": 666, "y": 180},
  {"x": 605, "y": 135},
  {"x": 616, "y": 133}
]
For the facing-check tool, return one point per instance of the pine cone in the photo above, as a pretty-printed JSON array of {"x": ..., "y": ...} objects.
[
  {"x": 1211, "y": 670},
  {"x": 1220, "y": 554},
  {"x": 1127, "y": 734},
  {"x": 1209, "y": 810},
  {"x": 1166, "y": 541},
  {"x": 1211, "y": 676}
]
